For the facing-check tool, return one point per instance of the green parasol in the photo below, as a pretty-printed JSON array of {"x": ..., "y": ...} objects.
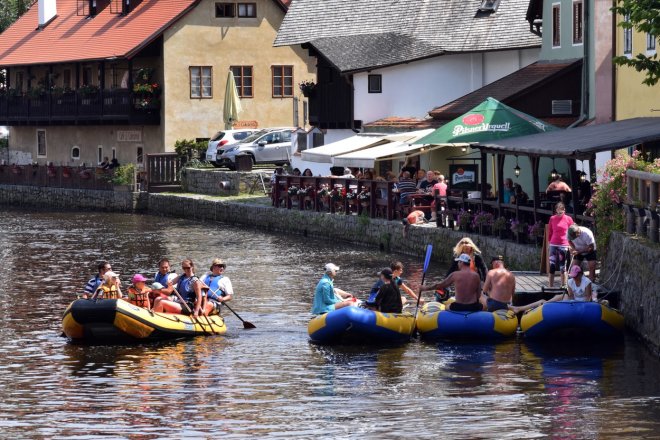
[{"x": 488, "y": 121}]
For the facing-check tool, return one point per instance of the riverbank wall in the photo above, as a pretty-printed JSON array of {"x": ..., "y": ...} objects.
[
  {"x": 359, "y": 230},
  {"x": 632, "y": 266}
]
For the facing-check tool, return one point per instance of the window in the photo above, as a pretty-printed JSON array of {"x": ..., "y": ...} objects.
[
  {"x": 140, "y": 155},
  {"x": 247, "y": 10},
  {"x": 243, "y": 78},
  {"x": 114, "y": 153},
  {"x": 19, "y": 81},
  {"x": 650, "y": 42},
  {"x": 66, "y": 78},
  {"x": 627, "y": 38},
  {"x": 41, "y": 143},
  {"x": 556, "y": 27},
  {"x": 282, "y": 81},
  {"x": 99, "y": 157},
  {"x": 87, "y": 76},
  {"x": 75, "y": 153},
  {"x": 577, "y": 21},
  {"x": 375, "y": 83},
  {"x": 200, "y": 82},
  {"x": 224, "y": 10}
]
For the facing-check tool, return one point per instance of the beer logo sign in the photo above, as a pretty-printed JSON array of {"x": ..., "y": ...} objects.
[
  {"x": 460, "y": 171},
  {"x": 473, "y": 119}
]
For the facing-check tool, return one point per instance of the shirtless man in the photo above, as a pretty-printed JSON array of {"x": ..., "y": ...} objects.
[
  {"x": 467, "y": 285},
  {"x": 499, "y": 286},
  {"x": 558, "y": 185}
]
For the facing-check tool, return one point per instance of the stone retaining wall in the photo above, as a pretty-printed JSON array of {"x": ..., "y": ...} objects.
[
  {"x": 73, "y": 199},
  {"x": 632, "y": 266},
  {"x": 221, "y": 183},
  {"x": 383, "y": 234}
]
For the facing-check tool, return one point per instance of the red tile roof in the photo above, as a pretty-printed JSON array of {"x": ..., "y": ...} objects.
[
  {"x": 70, "y": 37},
  {"x": 403, "y": 123},
  {"x": 504, "y": 89}
]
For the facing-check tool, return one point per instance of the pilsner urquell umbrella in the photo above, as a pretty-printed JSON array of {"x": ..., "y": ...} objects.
[
  {"x": 232, "y": 104},
  {"x": 488, "y": 121}
]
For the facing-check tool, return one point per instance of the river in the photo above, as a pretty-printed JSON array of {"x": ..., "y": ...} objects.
[{"x": 270, "y": 381}]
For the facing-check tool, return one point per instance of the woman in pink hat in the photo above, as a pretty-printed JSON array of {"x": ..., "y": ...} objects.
[
  {"x": 138, "y": 292},
  {"x": 579, "y": 286}
]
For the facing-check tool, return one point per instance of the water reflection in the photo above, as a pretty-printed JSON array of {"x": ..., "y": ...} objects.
[{"x": 271, "y": 381}]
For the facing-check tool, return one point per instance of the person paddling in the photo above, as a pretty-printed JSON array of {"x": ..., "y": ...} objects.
[
  {"x": 466, "y": 283},
  {"x": 219, "y": 286}
]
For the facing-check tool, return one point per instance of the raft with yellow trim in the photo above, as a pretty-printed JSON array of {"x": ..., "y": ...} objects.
[
  {"x": 362, "y": 326},
  {"x": 571, "y": 319},
  {"x": 435, "y": 322},
  {"x": 113, "y": 320}
]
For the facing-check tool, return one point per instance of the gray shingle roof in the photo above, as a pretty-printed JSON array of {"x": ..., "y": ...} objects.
[{"x": 361, "y": 34}]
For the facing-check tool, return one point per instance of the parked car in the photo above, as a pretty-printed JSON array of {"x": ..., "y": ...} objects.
[
  {"x": 222, "y": 138},
  {"x": 270, "y": 145}
]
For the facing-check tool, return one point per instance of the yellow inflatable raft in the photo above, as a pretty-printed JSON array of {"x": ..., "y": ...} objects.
[{"x": 113, "y": 320}]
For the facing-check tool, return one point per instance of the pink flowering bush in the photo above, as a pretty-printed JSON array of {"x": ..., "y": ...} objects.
[{"x": 610, "y": 191}]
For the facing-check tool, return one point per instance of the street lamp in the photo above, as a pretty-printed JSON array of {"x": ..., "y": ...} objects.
[{"x": 553, "y": 173}]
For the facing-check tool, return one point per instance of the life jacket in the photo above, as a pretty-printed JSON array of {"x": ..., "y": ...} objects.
[
  {"x": 138, "y": 298},
  {"x": 218, "y": 292},
  {"x": 185, "y": 288},
  {"x": 108, "y": 292}
]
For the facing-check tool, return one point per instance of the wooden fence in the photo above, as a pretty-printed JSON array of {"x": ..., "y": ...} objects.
[{"x": 164, "y": 172}]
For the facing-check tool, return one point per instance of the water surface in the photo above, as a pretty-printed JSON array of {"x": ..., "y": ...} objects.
[{"x": 270, "y": 381}]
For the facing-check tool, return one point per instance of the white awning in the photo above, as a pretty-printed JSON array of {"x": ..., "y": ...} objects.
[
  {"x": 403, "y": 144},
  {"x": 367, "y": 158},
  {"x": 325, "y": 153}
]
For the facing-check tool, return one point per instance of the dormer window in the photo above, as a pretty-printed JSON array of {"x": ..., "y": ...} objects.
[
  {"x": 224, "y": 10},
  {"x": 489, "y": 5}
]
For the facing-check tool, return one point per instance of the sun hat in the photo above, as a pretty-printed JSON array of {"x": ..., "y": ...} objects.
[
  {"x": 331, "y": 267},
  {"x": 387, "y": 273},
  {"x": 138, "y": 278},
  {"x": 464, "y": 258},
  {"x": 157, "y": 286},
  {"x": 110, "y": 275},
  {"x": 575, "y": 270},
  {"x": 217, "y": 262}
]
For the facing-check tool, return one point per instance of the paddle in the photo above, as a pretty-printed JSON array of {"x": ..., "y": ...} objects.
[
  {"x": 427, "y": 259},
  {"x": 192, "y": 316},
  {"x": 246, "y": 324}
]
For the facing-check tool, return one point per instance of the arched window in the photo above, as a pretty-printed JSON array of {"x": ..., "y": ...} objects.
[{"x": 75, "y": 153}]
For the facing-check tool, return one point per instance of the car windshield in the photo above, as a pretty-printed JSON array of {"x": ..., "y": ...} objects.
[
  {"x": 219, "y": 135},
  {"x": 253, "y": 137}
]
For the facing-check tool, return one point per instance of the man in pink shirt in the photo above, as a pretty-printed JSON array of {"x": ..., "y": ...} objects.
[
  {"x": 438, "y": 190},
  {"x": 559, "y": 246}
]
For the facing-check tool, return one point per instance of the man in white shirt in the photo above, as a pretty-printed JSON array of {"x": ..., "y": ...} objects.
[{"x": 583, "y": 247}]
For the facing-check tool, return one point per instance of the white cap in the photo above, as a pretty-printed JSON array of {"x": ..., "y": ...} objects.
[
  {"x": 331, "y": 267},
  {"x": 464, "y": 258},
  {"x": 109, "y": 275}
]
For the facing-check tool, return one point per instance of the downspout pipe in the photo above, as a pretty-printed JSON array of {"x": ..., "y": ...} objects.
[{"x": 586, "y": 42}]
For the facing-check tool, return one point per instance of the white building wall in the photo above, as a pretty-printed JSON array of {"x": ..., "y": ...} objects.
[{"x": 412, "y": 90}]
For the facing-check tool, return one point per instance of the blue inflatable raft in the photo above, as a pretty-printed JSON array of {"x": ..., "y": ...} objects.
[
  {"x": 571, "y": 319},
  {"x": 358, "y": 325},
  {"x": 435, "y": 322}
]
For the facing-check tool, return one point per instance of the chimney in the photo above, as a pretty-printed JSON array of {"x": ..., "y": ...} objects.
[{"x": 47, "y": 12}]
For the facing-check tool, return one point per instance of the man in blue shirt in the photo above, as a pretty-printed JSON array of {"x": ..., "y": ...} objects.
[
  {"x": 327, "y": 297},
  {"x": 95, "y": 282}
]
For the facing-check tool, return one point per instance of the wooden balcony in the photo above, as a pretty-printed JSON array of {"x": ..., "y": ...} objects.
[{"x": 118, "y": 106}]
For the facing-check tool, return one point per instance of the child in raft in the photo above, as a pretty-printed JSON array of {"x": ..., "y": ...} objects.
[
  {"x": 138, "y": 292},
  {"x": 109, "y": 289}
]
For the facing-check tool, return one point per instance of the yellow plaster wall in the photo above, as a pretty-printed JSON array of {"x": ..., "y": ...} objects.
[
  {"x": 634, "y": 99},
  {"x": 200, "y": 39}
]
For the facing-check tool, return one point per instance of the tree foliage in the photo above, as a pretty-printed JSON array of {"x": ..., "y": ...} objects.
[
  {"x": 10, "y": 10},
  {"x": 644, "y": 17}
]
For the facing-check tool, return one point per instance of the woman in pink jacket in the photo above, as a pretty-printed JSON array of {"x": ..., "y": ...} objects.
[{"x": 558, "y": 251}]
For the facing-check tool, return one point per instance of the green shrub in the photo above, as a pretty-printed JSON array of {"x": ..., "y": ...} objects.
[
  {"x": 189, "y": 149},
  {"x": 123, "y": 175}
]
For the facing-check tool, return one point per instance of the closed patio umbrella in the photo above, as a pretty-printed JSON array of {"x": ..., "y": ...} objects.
[
  {"x": 489, "y": 121},
  {"x": 232, "y": 104}
]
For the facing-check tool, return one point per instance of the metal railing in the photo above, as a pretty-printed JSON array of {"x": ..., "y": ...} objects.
[{"x": 56, "y": 177}]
